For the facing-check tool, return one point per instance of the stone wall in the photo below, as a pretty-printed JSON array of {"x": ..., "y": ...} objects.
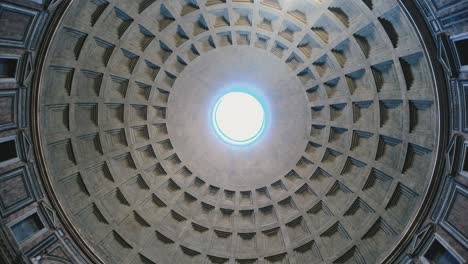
[
  {"x": 447, "y": 22},
  {"x": 29, "y": 228}
]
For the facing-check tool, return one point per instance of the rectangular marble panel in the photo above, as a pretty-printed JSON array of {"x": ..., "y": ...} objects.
[
  {"x": 15, "y": 191},
  {"x": 16, "y": 25}
]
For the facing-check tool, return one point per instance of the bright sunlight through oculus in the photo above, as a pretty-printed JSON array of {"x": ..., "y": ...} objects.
[{"x": 238, "y": 118}]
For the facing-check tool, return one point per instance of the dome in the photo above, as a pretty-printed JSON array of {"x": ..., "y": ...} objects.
[
  {"x": 338, "y": 174},
  {"x": 239, "y": 131}
]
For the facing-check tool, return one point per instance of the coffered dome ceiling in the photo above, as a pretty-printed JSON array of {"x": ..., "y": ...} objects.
[{"x": 338, "y": 176}]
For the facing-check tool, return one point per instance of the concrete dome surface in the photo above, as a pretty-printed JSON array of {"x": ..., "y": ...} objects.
[{"x": 339, "y": 174}]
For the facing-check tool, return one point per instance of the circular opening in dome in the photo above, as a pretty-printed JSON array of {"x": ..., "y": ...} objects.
[{"x": 238, "y": 118}]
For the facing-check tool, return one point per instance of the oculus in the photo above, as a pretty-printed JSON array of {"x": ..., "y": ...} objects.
[{"x": 238, "y": 118}]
